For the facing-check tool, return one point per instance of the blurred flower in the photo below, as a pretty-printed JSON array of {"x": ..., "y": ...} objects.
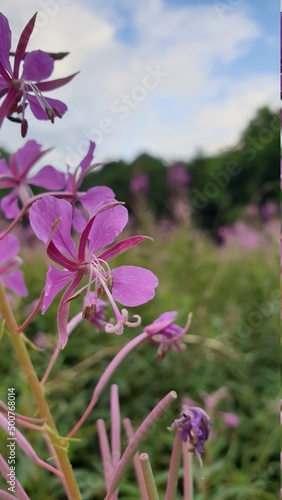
[
  {"x": 166, "y": 333},
  {"x": 139, "y": 182},
  {"x": 251, "y": 210},
  {"x": 21, "y": 90},
  {"x": 10, "y": 276},
  {"x": 211, "y": 402},
  {"x": 230, "y": 419},
  {"x": 268, "y": 210},
  {"x": 194, "y": 425},
  {"x": 177, "y": 174},
  {"x": 41, "y": 340},
  {"x": 51, "y": 220},
  {"x": 239, "y": 234},
  {"x": 15, "y": 174}
]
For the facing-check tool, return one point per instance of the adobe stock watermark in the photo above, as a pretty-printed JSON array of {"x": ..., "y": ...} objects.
[
  {"x": 11, "y": 439},
  {"x": 223, "y": 7},
  {"x": 47, "y": 9},
  {"x": 220, "y": 180},
  {"x": 260, "y": 312},
  {"x": 120, "y": 109}
]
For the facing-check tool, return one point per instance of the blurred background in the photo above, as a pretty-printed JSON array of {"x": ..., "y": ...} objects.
[{"x": 183, "y": 96}]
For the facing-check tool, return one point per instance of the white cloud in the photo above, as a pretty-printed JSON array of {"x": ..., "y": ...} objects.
[{"x": 181, "y": 113}]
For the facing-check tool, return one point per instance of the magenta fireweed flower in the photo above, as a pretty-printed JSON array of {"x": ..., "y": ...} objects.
[
  {"x": 194, "y": 425},
  {"x": 51, "y": 220},
  {"x": 15, "y": 174},
  {"x": 140, "y": 182},
  {"x": 166, "y": 333},
  {"x": 10, "y": 276},
  {"x": 93, "y": 197},
  {"x": 177, "y": 174},
  {"x": 22, "y": 88}
]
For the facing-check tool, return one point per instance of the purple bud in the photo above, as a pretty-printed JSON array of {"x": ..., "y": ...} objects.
[{"x": 194, "y": 425}]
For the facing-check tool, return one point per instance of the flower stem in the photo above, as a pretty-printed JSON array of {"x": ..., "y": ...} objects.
[
  {"x": 149, "y": 477},
  {"x": 134, "y": 442},
  {"x": 58, "y": 443},
  {"x": 105, "y": 378},
  {"x": 174, "y": 468},
  {"x": 187, "y": 472},
  {"x": 136, "y": 461}
]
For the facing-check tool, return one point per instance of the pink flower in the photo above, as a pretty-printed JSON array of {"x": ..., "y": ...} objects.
[
  {"x": 167, "y": 334},
  {"x": 15, "y": 174},
  {"x": 21, "y": 89},
  {"x": 92, "y": 197},
  {"x": 230, "y": 419},
  {"x": 10, "y": 276},
  {"x": 51, "y": 220},
  {"x": 140, "y": 183}
]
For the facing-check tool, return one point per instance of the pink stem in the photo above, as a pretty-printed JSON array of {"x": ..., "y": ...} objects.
[
  {"x": 32, "y": 314},
  {"x": 5, "y": 469},
  {"x": 136, "y": 461},
  {"x": 187, "y": 472},
  {"x": 134, "y": 443},
  {"x": 115, "y": 428},
  {"x": 51, "y": 363},
  {"x": 105, "y": 451},
  {"x": 105, "y": 378},
  {"x": 71, "y": 325},
  {"x": 174, "y": 468}
]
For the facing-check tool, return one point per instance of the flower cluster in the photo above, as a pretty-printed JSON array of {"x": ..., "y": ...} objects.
[{"x": 23, "y": 87}]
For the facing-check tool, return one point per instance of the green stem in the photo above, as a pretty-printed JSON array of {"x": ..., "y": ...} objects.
[
  {"x": 152, "y": 491},
  {"x": 58, "y": 443}
]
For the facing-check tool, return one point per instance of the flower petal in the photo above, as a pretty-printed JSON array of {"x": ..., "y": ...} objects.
[
  {"x": 106, "y": 227},
  {"x": 15, "y": 282},
  {"x": 79, "y": 221},
  {"x": 5, "y": 43},
  {"x": 22, "y": 161},
  {"x": 9, "y": 204},
  {"x": 63, "y": 310},
  {"x": 22, "y": 44},
  {"x": 133, "y": 285},
  {"x": 40, "y": 112},
  {"x": 95, "y": 196},
  {"x": 7, "y": 104},
  {"x": 37, "y": 66},
  {"x": 44, "y": 213},
  {"x": 9, "y": 248},
  {"x": 54, "y": 84},
  {"x": 48, "y": 178},
  {"x": 122, "y": 246},
  {"x": 56, "y": 280},
  {"x": 85, "y": 163}
]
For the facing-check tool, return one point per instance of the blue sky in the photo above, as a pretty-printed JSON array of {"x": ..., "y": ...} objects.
[{"x": 167, "y": 77}]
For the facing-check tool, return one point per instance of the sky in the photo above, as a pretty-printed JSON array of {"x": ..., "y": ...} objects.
[{"x": 166, "y": 77}]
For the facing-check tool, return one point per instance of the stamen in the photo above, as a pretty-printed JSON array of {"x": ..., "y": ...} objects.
[
  {"x": 109, "y": 280},
  {"x": 27, "y": 84},
  {"x": 88, "y": 312}
]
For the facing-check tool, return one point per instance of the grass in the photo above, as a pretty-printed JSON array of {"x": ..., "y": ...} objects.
[{"x": 232, "y": 342}]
